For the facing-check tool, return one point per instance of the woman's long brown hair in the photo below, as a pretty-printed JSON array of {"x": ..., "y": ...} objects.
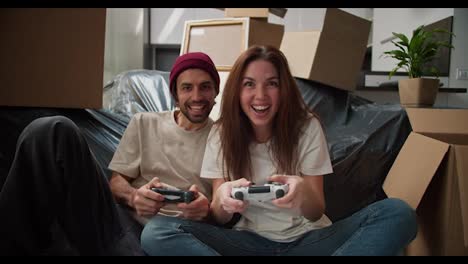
[{"x": 236, "y": 131}]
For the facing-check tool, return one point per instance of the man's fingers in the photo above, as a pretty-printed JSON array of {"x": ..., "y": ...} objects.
[
  {"x": 152, "y": 195},
  {"x": 154, "y": 180},
  {"x": 194, "y": 188},
  {"x": 150, "y": 200},
  {"x": 145, "y": 211}
]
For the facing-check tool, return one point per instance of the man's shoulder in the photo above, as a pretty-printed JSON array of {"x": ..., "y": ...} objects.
[{"x": 152, "y": 116}]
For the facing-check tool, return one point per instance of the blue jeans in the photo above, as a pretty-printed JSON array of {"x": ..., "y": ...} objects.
[
  {"x": 384, "y": 228},
  {"x": 166, "y": 236}
]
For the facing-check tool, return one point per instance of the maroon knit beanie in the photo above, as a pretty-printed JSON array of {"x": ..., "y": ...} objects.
[{"x": 193, "y": 60}]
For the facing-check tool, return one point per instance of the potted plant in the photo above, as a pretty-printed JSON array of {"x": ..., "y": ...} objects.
[{"x": 414, "y": 55}]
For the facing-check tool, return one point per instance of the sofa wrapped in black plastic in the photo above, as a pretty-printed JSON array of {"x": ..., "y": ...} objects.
[{"x": 364, "y": 138}]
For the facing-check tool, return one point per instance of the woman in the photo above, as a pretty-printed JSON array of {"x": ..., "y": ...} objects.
[{"x": 266, "y": 133}]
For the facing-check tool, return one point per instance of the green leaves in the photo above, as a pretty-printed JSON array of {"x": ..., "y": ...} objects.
[{"x": 413, "y": 54}]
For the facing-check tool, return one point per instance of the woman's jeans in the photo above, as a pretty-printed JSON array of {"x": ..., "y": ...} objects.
[{"x": 385, "y": 227}]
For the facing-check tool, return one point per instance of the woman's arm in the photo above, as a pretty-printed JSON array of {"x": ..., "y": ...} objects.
[
  {"x": 313, "y": 205},
  {"x": 220, "y": 215}
]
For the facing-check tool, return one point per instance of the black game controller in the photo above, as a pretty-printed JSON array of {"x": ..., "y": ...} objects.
[{"x": 175, "y": 196}]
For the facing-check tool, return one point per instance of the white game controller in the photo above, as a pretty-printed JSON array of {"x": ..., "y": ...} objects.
[{"x": 267, "y": 192}]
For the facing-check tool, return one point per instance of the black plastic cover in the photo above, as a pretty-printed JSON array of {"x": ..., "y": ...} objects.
[{"x": 364, "y": 138}]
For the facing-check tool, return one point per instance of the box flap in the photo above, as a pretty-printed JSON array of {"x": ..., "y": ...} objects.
[
  {"x": 455, "y": 139},
  {"x": 438, "y": 121},
  {"x": 341, "y": 50},
  {"x": 254, "y": 12},
  {"x": 264, "y": 33},
  {"x": 293, "y": 46},
  {"x": 461, "y": 154},
  {"x": 281, "y": 12},
  {"x": 52, "y": 57},
  {"x": 414, "y": 168}
]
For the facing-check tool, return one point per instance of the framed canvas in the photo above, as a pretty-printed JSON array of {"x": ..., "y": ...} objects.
[{"x": 223, "y": 39}]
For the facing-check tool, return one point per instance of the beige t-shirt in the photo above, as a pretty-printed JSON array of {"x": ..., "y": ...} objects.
[
  {"x": 154, "y": 145},
  {"x": 266, "y": 219}
]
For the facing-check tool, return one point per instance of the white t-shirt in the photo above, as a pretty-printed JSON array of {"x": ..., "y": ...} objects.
[
  {"x": 153, "y": 145},
  {"x": 266, "y": 219}
]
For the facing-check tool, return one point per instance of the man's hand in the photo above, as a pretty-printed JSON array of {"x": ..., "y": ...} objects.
[
  {"x": 147, "y": 202},
  {"x": 198, "y": 209}
]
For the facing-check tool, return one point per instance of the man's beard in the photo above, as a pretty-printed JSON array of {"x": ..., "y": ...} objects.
[{"x": 197, "y": 119}]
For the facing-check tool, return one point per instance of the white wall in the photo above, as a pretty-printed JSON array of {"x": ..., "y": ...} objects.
[
  {"x": 167, "y": 28},
  {"x": 223, "y": 75},
  {"x": 303, "y": 19},
  {"x": 401, "y": 20},
  {"x": 167, "y": 24},
  {"x": 300, "y": 19},
  {"x": 459, "y": 57},
  {"x": 124, "y": 41},
  {"x": 384, "y": 23}
]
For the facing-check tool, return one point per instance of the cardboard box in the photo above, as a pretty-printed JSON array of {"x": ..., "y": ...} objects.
[
  {"x": 52, "y": 57},
  {"x": 431, "y": 174},
  {"x": 333, "y": 56},
  {"x": 225, "y": 39},
  {"x": 254, "y": 12}
]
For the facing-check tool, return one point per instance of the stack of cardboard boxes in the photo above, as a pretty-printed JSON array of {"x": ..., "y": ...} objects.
[
  {"x": 52, "y": 57},
  {"x": 258, "y": 13},
  {"x": 225, "y": 39},
  {"x": 333, "y": 56},
  {"x": 431, "y": 174}
]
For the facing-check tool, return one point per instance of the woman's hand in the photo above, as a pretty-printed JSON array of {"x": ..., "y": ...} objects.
[
  {"x": 223, "y": 205},
  {"x": 295, "y": 196},
  {"x": 227, "y": 203},
  {"x": 305, "y": 195}
]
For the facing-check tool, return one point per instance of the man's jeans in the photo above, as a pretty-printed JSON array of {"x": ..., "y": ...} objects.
[
  {"x": 385, "y": 227},
  {"x": 56, "y": 199},
  {"x": 166, "y": 236}
]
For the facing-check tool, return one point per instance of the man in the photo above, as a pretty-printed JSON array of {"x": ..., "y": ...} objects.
[
  {"x": 166, "y": 150},
  {"x": 54, "y": 183}
]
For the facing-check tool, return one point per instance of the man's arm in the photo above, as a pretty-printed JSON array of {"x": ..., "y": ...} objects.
[
  {"x": 122, "y": 190},
  {"x": 143, "y": 200}
]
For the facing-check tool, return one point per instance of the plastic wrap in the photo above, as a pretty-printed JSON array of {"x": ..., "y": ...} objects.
[
  {"x": 126, "y": 94},
  {"x": 101, "y": 129},
  {"x": 364, "y": 138},
  {"x": 138, "y": 91}
]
